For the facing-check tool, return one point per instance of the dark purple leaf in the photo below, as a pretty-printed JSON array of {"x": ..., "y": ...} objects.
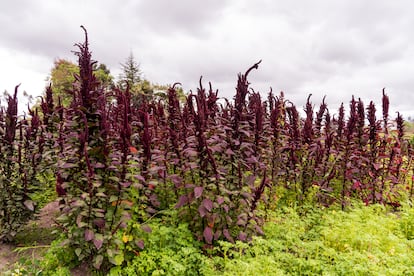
[
  {"x": 259, "y": 230},
  {"x": 89, "y": 235},
  {"x": 176, "y": 179},
  {"x": 208, "y": 204},
  {"x": 241, "y": 222},
  {"x": 140, "y": 244},
  {"x": 242, "y": 236},
  {"x": 98, "y": 243},
  {"x": 208, "y": 235},
  {"x": 250, "y": 180},
  {"x": 217, "y": 235},
  {"x": 140, "y": 178},
  {"x": 125, "y": 184},
  {"x": 146, "y": 228},
  {"x": 191, "y": 153},
  {"x": 202, "y": 211},
  {"x": 227, "y": 235},
  {"x": 99, "y": 222},
  {"x": 99, "y": 165},
  {"x": 198, "y": 191},
  {"x": 182, "y": 201}
]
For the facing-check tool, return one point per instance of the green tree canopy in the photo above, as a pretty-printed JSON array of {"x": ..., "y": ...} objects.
[{"x": 62, "y": 77}]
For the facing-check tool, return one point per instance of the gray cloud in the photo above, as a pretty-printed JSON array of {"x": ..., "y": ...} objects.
[
  {"x": 333, "y": 48},
  {"x": 181, "y": 16}
]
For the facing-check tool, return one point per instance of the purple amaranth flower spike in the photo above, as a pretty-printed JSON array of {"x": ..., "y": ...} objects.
[
  {"x": 47, "y": 106},
  {"x": 385, "y": 109},
  {"x": 372, "y": 121},
  {"x": 400, "y": 125},
  {"x": 360, "y": 120},
  {"x": 11, "y": 117},
  {"x": 212, "y": 102},
  {"x": 352, "y": 121},
  {"x": 88, "y": 81},
  {"x": 319, "y": 116},
  {"x": 308, "y": 128},
  {"x": 294, "y": 123},
  {"x": 240, "y": 99},
  {"x": 341, "y": 121}
]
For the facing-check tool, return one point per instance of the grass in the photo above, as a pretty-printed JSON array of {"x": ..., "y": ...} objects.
[
  {"x": 365, "y": 240},
  {"x": 31, "y": 244},
  {"x": 28, "y": 248}
]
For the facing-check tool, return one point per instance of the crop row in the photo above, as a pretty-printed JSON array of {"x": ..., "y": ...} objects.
[{"x": 116, "y": 162}]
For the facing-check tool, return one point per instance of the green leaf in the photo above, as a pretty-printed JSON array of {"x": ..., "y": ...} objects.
[
  {"x": 117, "y": 259},
  {"x": 100, "y": 194},
  {"x": 114, "y": 178},
  {"x": 98, "y": 241},
  {"x": 113, "y": 198},
  {"x": 98, "y": 261}
]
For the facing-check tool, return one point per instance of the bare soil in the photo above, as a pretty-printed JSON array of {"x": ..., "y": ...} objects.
[
  {"x": 7, "y": 256},
  {"x": 36, "y": 238}
]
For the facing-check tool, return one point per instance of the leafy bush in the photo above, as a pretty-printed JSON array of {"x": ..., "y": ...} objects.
[
  {"x": 170, "y": 249},
  {"x": 93, "y": 169},
  {"x": 20, "y": 154}
]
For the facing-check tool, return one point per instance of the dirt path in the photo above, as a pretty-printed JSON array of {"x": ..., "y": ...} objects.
[
  {"x": 44, "y": 221},
  {"x": 6, "y": 253},
  {"x": 36, "y": 232}
]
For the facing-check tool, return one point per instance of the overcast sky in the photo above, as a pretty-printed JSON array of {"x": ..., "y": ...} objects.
[{"x": 332, "y": 48}]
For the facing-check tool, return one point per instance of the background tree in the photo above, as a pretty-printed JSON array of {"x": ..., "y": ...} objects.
[
  {"x": 131, "y": 72},
  {"x": 141, "y": 88},
  {"x": 103, "y": 74},
  {"x": 62, "y": 77},
  {"x": 131, "y": 76}
]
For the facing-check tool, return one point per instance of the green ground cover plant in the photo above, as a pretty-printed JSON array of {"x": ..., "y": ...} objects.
[{"x": 367, "y": 240}]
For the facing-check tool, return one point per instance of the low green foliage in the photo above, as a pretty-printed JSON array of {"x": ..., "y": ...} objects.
[
  {"x": 46, "y": 192},
  {"x": 366, "y": 240},
  {"x": 59, "y": 259},
  {"x": 407, "y": 221},
  {"x": 170, "y": 249}
]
